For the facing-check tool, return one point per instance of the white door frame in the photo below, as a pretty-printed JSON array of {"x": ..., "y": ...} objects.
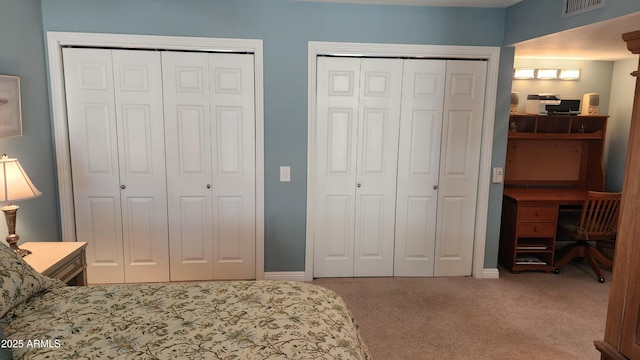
[
  {"x": 57, "y": 40},
  {"x": 489, "y": 53}
]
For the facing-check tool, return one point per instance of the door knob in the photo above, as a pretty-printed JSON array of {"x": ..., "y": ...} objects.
[
  {"x": 123, "y": 186},
  {"x": 435, "y": 187},
  {"x": 208, "y": 186},
  {"x": 359, "y": 185}
]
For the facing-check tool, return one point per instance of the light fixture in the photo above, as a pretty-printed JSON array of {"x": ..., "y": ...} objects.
[
  {"x": 14, "y": 185},
  {"x": 523, "y": 74},
  {"x": 547, "y": 74},
  {"x": 569, "y": 74}
]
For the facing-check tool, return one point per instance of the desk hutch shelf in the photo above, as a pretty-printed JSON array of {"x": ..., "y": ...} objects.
[
  {"x": 569, "y": 126},
  {"x": 551, "y": 162}
]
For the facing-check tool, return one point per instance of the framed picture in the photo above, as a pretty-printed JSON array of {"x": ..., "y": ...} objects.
[{"x": 10, "y": 107}]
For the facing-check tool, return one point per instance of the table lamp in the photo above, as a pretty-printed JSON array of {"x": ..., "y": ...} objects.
[{"x": 14, "y": 185}]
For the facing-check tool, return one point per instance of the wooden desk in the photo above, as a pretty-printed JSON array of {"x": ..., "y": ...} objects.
[
  {"x": 529, "y": 223},
  {"x": 65, "y": 261},
  {"x": 559, "y": 158},
  {"x": 546, "y": 195}
]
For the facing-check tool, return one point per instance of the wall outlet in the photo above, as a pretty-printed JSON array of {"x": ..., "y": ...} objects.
[{"x": 285, "y": 173}]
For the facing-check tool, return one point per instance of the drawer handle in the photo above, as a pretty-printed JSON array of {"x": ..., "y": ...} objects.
[
  {"x": 538, "y": 213},
  {"x": 536, "y": 229}
]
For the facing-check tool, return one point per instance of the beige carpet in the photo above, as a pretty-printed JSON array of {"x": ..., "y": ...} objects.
[{"x": 531, "y": 315}]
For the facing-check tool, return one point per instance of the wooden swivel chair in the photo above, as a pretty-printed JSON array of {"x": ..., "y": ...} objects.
[{"x": 598, "y": 221}]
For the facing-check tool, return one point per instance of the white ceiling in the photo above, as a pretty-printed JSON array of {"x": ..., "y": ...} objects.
[{"x": 598, "y": 41}]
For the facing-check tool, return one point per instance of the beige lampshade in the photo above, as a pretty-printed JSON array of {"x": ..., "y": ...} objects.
[{"x": 14, "y": 182}]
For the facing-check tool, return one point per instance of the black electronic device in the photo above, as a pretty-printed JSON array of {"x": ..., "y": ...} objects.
[{"x": 566, "y": 107}]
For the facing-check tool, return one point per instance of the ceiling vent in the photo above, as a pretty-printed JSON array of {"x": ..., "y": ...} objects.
[{"x": 577, "y": 7}]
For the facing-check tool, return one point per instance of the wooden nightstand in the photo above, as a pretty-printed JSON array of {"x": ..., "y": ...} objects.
[{"x": 65, "y": 261}]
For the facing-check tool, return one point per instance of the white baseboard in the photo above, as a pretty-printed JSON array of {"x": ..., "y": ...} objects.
[
  {"x": 491, "y": 273},
  {"x": 487, "y": 273},
  {"x": 285, "y": 275}
]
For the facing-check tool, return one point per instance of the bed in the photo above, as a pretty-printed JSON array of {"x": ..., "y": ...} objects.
[{"x": 43, "y": 319}]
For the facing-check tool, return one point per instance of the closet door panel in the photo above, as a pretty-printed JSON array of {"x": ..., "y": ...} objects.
[
  {"x": 103, "y": 228},
  {"x": 230, "y": 211},
  {"x": 462, "y": 122},
  {"x": 94, "y": 159},
  {"x": 139, "y": 226},
  {"x": 231, "y": 81},
  {"x": 418, "y": 166},
  {"x": 141, "y": 149},
  {"x": 379, "y": 121},
  {"x": 189, "y": 182},
  {"x": 338, "y": 82}
]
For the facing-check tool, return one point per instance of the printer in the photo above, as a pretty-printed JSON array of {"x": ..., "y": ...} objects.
[
  {"x": 537, "y": 103},
  {"x": 566, "y": 107}
]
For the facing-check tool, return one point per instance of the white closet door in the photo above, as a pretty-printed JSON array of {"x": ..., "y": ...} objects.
[
  {"x": 140, "y": 125},
  {"x": 358, "y": 120},
  {"x": 459, "y": 167},
  {"x": 123, "y": 187},
  {"x": 187, "y": 127},
  {"x": 338, "y": 81},
  {"x": 378, "y": 126},
  {"x": 418, "y": 166},
  {"x": 231, "y": 79},
  {"x": 94, "y": 159}
]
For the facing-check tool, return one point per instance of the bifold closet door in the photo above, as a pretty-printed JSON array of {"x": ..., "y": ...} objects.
[
  {"x": 423, "y": 90},
  {"x": 459, "y": 166},
  {"x": 357, "y": 142},
  {"x": 116, "y": 135},
  {"x": 439, "y": 156},
  {"x": 428, "y": 198},
  {"x": 188, "y": 125},
  {"x": 210, "y": 127}
]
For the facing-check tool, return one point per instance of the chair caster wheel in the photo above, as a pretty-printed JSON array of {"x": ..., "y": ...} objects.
[
  {"x": 601, "y": 280},
  {"x": 556, "y": 271}
]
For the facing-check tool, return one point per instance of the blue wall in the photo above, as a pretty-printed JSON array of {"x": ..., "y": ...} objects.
[
  {"x": 22, "y": 54},
  {"x": 285, "y": 27},
  {"x": 503, "y": 103}
]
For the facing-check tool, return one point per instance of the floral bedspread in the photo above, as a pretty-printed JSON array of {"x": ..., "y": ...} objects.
[{"x": 209, "y": 320}]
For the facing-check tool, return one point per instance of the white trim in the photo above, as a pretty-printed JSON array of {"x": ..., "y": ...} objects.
[
  {"x": 488, "y": 273},
  {"x": 491, "y": 54},
  {"x": 285, "y": 276},
  {"x": 55, "y": 42}
]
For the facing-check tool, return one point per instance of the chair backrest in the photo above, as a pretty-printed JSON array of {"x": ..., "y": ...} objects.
[{"x": 599, "y": 217}]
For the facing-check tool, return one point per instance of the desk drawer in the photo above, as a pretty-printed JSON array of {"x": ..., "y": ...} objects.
[
  {"x": 537, "y": 229},
  {"x": 537, "y": 213}
]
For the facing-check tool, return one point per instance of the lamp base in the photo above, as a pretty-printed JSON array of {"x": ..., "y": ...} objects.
[
  {"x": 21, "y": 252},
  {"x": 10, "y": 212}
]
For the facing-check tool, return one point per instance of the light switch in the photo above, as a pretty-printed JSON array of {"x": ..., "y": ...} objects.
[
  {"x": 498, "y": 175},
  {"x": 285, "y": 173}
]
